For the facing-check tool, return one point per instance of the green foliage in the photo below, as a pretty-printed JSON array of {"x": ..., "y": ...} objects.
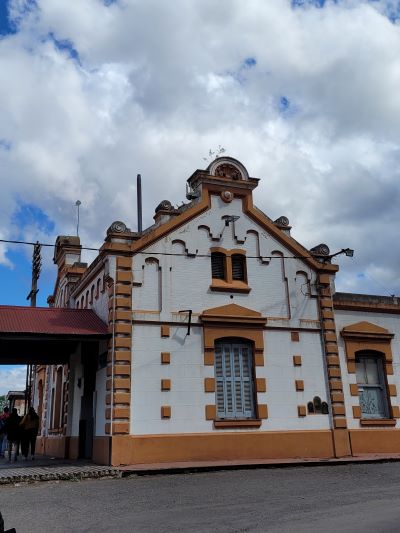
[{"x": 3, "y": 402}]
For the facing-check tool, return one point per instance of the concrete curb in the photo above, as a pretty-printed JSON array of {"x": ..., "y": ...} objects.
[
  {"x": 54, "y": 473},
  {"x": 182, "y": 468}
]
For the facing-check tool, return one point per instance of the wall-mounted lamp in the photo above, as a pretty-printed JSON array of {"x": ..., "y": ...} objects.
[
  {"x": 322, "y": 253},
  {"x": 348, "y": 252}
]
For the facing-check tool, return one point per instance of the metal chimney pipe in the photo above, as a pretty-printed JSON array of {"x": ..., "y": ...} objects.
[{"x": 139, "y": 202}]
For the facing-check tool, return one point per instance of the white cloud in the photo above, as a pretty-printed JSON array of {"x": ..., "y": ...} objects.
[
  {"x": 159, "y": 83},
  {"x": 12, "y": 378}
]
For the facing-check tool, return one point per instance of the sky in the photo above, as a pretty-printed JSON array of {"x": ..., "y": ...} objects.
[{"x": 305, "y": 93}]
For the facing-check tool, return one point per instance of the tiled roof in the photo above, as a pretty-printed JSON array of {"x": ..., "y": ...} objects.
[{"x": 50, "y": 321}]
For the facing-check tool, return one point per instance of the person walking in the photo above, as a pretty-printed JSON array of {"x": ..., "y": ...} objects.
[
  {"x": 3, "y": 434},
  {"x": 30, "y": 428},
  {"x": 13, "y": 432}
]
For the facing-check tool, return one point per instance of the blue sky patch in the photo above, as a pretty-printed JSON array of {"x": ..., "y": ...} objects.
[
  {"x": 240, "y": 74},
  {"x": 249, "y": 62},
  {"x": 5, "y": 144},
  {"x": 65, "y": 45},
  {"x": 284, "y": 104},
  {"x": 16, "y": 282},
  {"x": 31, "y": 215},
  {"x": 6, "y": 25}
]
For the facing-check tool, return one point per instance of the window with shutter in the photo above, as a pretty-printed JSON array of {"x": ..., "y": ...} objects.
[
  {"x": 218, "y": 265},
  {"x": 234, "y": 380},
  {"x": 371, "y": 387},
  {"x": 238, "y": 267}
]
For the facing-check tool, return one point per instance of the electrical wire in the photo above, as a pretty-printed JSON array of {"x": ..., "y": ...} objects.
[{"x": 5, "y": 241}]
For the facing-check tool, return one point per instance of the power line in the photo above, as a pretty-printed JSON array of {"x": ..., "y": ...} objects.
[{"x": 192, "y": 255}]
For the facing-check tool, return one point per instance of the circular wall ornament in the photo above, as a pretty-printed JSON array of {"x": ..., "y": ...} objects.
[
  {"x": 118, "y": 227},
  {"x": 227, "y": 196}
]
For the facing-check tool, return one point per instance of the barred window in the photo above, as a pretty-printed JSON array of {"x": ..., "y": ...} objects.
[
  {"x": 239, "y": 267},
  {"x": 234, "y": 380},
  {"x": 218, "y": 265}
]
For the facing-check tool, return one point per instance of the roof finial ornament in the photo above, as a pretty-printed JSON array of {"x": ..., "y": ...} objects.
[{"x": 214, "y": 154}]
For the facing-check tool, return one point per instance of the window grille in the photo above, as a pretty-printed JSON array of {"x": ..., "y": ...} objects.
[
  {"x": 218, "y": 265},
  {"x": 234, "y": 378},
  {"x": 238, "y": 267}
]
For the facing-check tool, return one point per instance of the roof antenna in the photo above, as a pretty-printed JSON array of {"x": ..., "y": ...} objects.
[
  {"x": 77, "y": 203},
  {"x": 139, "y": 202}
]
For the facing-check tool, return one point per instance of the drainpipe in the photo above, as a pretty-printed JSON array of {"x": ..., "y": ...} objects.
[{"x": 112, "y": 366}]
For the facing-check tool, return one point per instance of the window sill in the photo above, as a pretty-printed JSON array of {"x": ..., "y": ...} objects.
[
  {"x": 378, "y": 422},
  {"x": 245, "y": 423},
  {"x": 224, "y": 286}
]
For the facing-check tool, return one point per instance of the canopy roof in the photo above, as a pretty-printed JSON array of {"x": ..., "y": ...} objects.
[
  {"x": 50, "y": 321},
  {"x": 42, "y": 335}
]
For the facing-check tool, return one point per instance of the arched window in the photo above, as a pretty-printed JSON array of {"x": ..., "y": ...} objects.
[
  {"x": 57, "y": 398},
  {"x": 371, "y": 386},
  {"x": 98, "y": 288},
  {"x": 234, "y": 379},
  {"x": 218, "y": 265}
]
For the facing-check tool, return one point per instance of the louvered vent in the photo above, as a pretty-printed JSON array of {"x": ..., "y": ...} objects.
[
  {"x": 218, "y": 265},
  {"x": 238, "y": 267}
]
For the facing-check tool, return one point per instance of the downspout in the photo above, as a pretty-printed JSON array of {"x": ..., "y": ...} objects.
[{"x": 112, "y": 367}]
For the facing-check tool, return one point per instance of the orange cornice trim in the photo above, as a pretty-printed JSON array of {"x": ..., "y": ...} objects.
[
  {"x": 366, "y": 307},
  {"x": 173, "y": 224},
  {"x": 232, "y": 313},
  {"x": 366, "y": 330},
  {"x": 284, "y": 239},
  {"x": 205, "y": 204}
]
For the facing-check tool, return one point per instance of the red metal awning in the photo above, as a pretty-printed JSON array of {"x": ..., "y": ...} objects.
[
  {"x": 50, "y": 321},
  {"x": 48, "y": 335}
]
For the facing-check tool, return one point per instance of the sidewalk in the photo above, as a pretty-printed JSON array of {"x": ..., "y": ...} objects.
[{"x": 50, "y": 469}]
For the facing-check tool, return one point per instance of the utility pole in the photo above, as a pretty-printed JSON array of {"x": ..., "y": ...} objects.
[{"x": 36, "y": 268}]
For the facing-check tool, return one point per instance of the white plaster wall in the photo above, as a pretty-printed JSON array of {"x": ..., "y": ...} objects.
[
  {"x": 185, "y": 281},
  {"x": 100, "y": 407},
  {"x": 187, "y": 372},
  {"x": 388, "y": 321},
  {"x": 280, "y": 373}
]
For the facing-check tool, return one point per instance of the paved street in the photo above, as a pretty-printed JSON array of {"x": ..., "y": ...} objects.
[{"x": 348, "y": 498}]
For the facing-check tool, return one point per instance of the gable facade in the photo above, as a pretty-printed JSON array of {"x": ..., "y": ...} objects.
[{"x": 226, "y": 339}]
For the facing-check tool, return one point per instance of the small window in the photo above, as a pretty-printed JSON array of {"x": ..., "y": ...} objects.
[
  {"x": 98, "y": 288},
  {"x": 218, "y": 265},
  {"x": 238, "y": 267},
  {"x": 371, "y": 387},
  {"x": 310, "y": 408}
]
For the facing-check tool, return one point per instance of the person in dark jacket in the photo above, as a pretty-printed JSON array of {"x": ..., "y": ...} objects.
[
  {"x": 13, "y": 431},
  {"x": 30, "y": 427}
]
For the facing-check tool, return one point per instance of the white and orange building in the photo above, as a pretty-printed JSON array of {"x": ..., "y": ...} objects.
[{"x": 226, "y": 340}]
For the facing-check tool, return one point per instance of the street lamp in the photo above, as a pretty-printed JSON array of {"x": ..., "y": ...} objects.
[{"x": 323, "y": 255}]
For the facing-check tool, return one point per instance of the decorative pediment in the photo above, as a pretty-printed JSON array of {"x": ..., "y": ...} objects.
[
  {"x": 233, "y": 313},
  {"x": 366, "y": 330}
]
